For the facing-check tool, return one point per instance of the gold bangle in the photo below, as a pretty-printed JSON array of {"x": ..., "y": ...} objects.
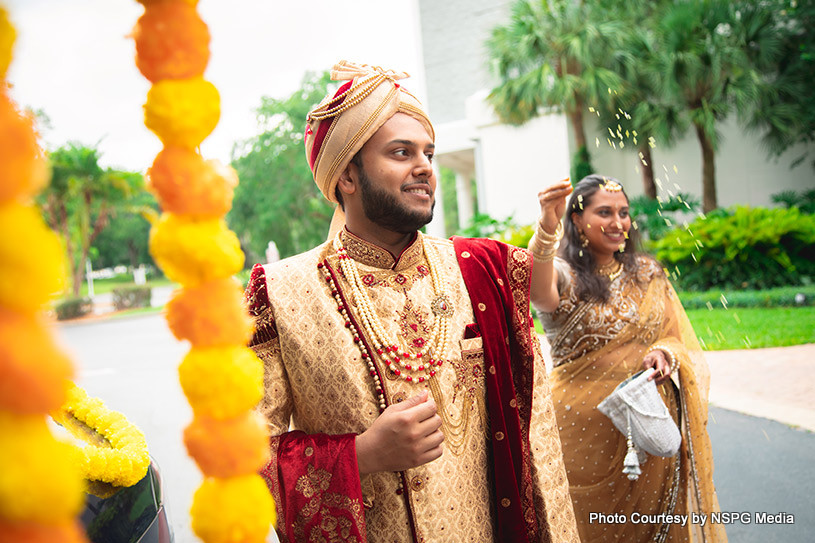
[{"x": 543, "y": 235}]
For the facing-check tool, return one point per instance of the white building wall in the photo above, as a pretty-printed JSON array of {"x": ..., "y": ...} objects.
[{"x": 744, "y": 172}]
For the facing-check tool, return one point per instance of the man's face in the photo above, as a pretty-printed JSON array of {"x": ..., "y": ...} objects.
[{"x": 397, "y": 183}]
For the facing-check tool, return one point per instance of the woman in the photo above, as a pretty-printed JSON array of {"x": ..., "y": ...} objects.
[{"x": 608, "y": 312}]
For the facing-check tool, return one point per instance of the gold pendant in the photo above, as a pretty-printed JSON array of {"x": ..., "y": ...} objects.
[{"x": 442, "y": 306}]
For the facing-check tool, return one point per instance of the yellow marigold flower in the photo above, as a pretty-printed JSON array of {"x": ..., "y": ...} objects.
[
  {"x": 231, "y": 447},
  {"x": 210, "y": 314},
  {"x": 234, "y": 510},
  {"x": 34, "y": 371},
  {"x": 31, "y": 259},
  {"x": 182, "y": 111},
  {"x": 23, "y": 166},
  {"x": 186, "y": 184},
  {"x": 192, "y": 252},
  {"x": 7, "y": 37},
  {"x": 70, "y": 531},
  {"x": 221, "y": 382},
  {"x": 119, "y": 454},
  {"x": 40, "y": 480}
]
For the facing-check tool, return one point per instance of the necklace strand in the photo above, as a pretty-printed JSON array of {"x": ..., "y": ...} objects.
[{"x": 411, "y": 366}]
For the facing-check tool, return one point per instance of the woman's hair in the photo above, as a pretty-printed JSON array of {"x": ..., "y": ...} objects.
[{"x": 590, "y": 285}]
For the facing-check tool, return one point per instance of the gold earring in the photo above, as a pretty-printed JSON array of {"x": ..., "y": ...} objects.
[{"x": 584, "y": 241}]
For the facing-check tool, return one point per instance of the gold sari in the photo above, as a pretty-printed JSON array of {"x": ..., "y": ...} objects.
[{"x": 594, "y": 347}]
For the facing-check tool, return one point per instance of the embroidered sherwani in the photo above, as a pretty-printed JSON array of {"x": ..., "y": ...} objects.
[{"x": 320, "y": 394}]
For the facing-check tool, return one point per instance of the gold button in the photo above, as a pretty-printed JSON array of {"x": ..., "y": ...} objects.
[
  {"x": 482, "y": 307},
  {"x": 465, "y": 254},
  {"x": 309, "y": 451},
  {"x": 492, "y": 370},
  {"x": 513, "y": 403},
  {"x": 505, "y": 502},
  {"x": 417, "y": 483},
  {"x": 399, "y": 397},
  {"x": 499, "y": 436}
]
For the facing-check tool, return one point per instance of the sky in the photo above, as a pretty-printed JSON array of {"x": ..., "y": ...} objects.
[{"x": 73, "y": 60}]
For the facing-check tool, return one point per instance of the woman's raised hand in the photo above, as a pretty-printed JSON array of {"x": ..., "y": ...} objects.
[{"x": 553, "y": 204}]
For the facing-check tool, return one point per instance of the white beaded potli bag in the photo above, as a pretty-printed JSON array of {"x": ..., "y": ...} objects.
[{"x": 637, "y": 410}]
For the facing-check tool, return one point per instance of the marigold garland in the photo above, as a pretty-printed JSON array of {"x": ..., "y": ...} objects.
[
  {"x": 192, "y": 251},
  {"x": 34, "y": 370},
  {"x": 182, "y": 111},
  {"x": 222, "y": 379},
  {"x": 210, "y": 315},
  {"x": 233, "y": 510},
  {"x": 41, "y": 488},
  {"x": 186, "y": 184},
  {"x": 114, "y": 450}
]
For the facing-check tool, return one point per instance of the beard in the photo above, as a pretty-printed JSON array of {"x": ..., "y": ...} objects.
[{"x": 383, "y": 209}]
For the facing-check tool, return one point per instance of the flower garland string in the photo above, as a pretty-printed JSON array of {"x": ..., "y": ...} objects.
[
  {"x": 113, "y": 449},
  {"x": 221, "y": 378},
  {"x": 41, "y": 487}
]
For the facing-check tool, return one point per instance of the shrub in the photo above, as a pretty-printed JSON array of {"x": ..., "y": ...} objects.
[
  {"x": 518, "y": 235},
  {"x": 131, "y": 297},
  {"x": 805, "y": 201},
  {"x": 740, "y": 248},
  {"x": 655, "y": 217},
  {"x": 73, "y": 308},
  {"x": 484, "y": 226}
]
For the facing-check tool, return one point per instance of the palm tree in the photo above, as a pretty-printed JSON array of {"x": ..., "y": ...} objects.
[
  {"x": 703, "y": 62},
  {"x": 81, "y": 199},
  {"x": 553, "y": 54}
]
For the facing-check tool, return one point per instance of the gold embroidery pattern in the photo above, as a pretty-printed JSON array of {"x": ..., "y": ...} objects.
[
  {"x": 332, "y": 528},
  {"x": 519, "y": 270},
  {"x": 593, "y": 325},
  {"x": 372, "y": 255}
]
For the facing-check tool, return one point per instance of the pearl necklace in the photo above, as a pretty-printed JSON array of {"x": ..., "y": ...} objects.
[{"x": 411, "y": 366}]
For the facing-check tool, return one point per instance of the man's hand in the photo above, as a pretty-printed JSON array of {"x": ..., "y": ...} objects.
[
  {"x": 553, "y": 204},
  {"x": 405, "y": 435},
  {"x": 656, "y": 359}
]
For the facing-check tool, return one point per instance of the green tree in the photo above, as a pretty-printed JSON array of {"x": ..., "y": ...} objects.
[
  {"x": 709, "y": 59},
  {"x": 277, "y": 199},
  {"x": 554, "y": 54},
  {"x": 125, "y": 240},
  {"x": 786, "y": 112},
  {"x": 81, "y": 199}
]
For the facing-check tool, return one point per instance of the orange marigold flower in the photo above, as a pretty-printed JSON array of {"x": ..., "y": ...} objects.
[
  {"x": 23, "y": 166},
  {"x": 182, "y": 111},
  {"x": 70, "y": 531},
  {"x": 34, "y": 370},
  {"x": 211, "y": 314},
  {"x": 172, "y": 42},
  {"x": 221, "y": 382},
  {"x": 28, "y": 277},
  {"x": 186, "y": 184},
  {"x": 192, "y": 251},
  {"x": 233, "y": 509},
  {"x": 28, "y": 491},
  {"x": 231, "y": 447}
]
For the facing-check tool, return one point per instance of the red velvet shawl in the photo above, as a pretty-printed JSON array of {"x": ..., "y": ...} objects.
[{"x": 498, "y": 277}]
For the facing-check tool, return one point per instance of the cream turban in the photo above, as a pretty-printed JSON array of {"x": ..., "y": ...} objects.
[{"x": 338, "y": 128}]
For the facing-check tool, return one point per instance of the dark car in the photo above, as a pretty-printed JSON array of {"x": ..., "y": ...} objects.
[{"x": 134, "y": 514}]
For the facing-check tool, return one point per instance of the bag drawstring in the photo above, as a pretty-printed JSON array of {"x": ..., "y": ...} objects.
[{"x": 631, "y": 464}]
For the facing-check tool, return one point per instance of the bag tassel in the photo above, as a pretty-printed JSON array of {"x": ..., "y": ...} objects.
[{"x": 631, "y": 463}]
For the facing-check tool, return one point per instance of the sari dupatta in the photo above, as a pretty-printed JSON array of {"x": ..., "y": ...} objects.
[{"x": 681, "y": 484}]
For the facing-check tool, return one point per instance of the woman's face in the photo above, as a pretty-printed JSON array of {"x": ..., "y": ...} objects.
[{"x": 605, "y": 222}]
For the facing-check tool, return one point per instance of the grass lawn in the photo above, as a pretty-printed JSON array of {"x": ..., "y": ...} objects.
[
  {"x": 749, "y": 328},
  {"x": 752, "y": 328}
]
